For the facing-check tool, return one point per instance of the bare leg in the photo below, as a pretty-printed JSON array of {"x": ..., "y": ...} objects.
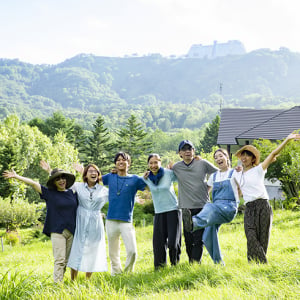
[
  {"x": 88, "y": 275},
  {"x": 74, "y": 274}
]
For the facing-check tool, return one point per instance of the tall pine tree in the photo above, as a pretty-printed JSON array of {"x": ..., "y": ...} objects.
[
  {"x": 132, "y": 140},
  {"x": 211, "y": 136},
  {"x": 99, "y": 146}
]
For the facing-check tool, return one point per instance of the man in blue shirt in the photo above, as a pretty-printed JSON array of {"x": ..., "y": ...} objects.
[{"x": 122, "y": 191}]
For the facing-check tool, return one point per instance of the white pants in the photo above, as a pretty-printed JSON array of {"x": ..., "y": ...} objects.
[
  {"x": 115, "y": 229},
  {"x": 61, "y": 246}
]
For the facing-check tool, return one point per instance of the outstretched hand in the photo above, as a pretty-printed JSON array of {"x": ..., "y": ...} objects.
[
  {"x": 78, "y": 167},
  {"x": 9, "y": 174},
  {"x": 170, "y": 165},
  {"x": 294, "y": 136},
  {"x": 45, "y": 166}
]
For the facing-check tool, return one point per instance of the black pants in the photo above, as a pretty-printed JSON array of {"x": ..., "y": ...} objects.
[
  {"x": 257, "y": 223},
  {"x": 167, "y": 234},
  {"x": 193, "y": 241}
]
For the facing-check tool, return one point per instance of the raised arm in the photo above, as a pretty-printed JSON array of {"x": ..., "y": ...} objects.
[
  {"x": 272, "y": 156},
  {"x": 13, "y": 174},
  {"x": 78, "y": 167},
  {"x": 45, "y": 166}
]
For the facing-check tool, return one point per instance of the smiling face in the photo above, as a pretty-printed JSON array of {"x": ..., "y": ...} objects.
[
  {"x": 247, "y": 159},
  {"x": 60, "y": 182},
  {"x": 154, "y": 164},
  {"x": 187, "y": 153},
  {"x": 221, "y": 160},
  {"x": 122, "y": 164},
  {"x": 92, "y": 176}
]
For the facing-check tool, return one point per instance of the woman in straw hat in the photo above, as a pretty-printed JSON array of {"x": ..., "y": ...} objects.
[
  {"x": 258, "y": 212},
  {"x": 61, "y": 203}
]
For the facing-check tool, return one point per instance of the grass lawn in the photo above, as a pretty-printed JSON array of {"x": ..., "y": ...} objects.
[{"x": 26, "y": 270}]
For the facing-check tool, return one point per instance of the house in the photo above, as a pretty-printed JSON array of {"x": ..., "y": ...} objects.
[{"x": 240, "y": 126}]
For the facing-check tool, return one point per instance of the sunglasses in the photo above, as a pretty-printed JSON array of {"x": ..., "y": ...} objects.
[{"x": 60, "y": 177}]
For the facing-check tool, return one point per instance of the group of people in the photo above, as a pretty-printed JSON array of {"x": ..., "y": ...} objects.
[{"x": 74, "y": 220}]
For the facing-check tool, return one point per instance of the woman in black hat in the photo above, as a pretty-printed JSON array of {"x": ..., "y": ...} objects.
[
  {"x": 258, "y": 212},
  {"x": 61, "y": 203}
]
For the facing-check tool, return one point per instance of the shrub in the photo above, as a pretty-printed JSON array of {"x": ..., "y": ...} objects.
[
  {"x": 292, "y": 203},
  {"x": 17, "y": 213},
  {"x": 12, "y": 238}
]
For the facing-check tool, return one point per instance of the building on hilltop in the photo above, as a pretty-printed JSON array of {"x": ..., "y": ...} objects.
[{"x": 232, "y": 47}]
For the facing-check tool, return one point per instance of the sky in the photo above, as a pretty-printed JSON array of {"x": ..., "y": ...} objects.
[{"x": 51, "y": 31}]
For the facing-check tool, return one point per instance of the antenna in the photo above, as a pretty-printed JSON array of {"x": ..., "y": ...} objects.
[{"x": 221, "y": 97}]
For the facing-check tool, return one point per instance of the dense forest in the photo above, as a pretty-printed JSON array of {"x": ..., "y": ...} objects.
[
  {"x": 162, "y": 93},
  {"x": 87, "y": 108}
]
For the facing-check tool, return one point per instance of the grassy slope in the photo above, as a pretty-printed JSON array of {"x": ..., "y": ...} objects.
[{"x": 26, "y": 271}]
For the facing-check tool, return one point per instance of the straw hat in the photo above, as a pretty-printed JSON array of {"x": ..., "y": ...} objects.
[
  {"x": 59, "y": 172},
  {"x": 251, "y": 149}
]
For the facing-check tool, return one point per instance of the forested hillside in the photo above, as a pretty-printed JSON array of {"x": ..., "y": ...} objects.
[{"x": 161, "y": 92}]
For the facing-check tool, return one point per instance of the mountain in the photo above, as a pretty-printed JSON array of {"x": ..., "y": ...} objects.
[{"x": 162, "y": 92}]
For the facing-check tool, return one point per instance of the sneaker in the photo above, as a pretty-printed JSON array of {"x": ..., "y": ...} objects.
[{"x": 187, "y": 219}]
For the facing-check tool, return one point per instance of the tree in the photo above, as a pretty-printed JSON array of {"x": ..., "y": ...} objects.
[
  {"x": 58, "y": 122},
  {"x": 132, "y": 139},
  {"x": 22, "y": 147},
  {"x": 210, "y": 136},
  {"x": 99, "y": 146}
]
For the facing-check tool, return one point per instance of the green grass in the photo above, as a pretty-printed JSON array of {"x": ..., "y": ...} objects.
[{"x": 26, "y": 270}]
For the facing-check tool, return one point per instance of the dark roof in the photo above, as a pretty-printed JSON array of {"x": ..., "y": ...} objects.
[
  {"x": 235, "y": 121},
  {"x": 275, "y": 128}
]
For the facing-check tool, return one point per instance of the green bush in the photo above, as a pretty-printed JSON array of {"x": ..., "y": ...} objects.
[
  {"x": 17, "y": 213},
  {"x": 41, "y": 210},
  {"x": 292, "y": 203},
  {"x": 12, "y": 238}
]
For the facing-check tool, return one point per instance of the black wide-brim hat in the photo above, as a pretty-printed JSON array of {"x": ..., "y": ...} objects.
[{"x": 70, "y": 178}]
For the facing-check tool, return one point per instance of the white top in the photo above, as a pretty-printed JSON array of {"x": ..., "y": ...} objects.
[
  {"x": 252, "y": 183},
  {"x": 221, "y": 176}
]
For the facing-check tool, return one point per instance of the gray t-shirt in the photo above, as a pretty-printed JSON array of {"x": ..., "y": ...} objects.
[{"x": 192, "y": 187}]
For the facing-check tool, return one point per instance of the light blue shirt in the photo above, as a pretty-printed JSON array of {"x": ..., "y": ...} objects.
[
  {"x": 88, "y": 253},
  {"x": 163, "y": 194}
]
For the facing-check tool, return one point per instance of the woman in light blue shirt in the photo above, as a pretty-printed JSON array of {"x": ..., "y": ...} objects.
[{"x": 167, "y": 219}]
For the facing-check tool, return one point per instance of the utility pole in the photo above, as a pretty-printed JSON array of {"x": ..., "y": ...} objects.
[{"x": 221, "y": 97}]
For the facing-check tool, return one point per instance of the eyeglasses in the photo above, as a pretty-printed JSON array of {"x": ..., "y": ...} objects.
[
  {"x": 60, "y": 177},
  {"x": 92, "y": 171},
  {"x": 186, "y": 149}
]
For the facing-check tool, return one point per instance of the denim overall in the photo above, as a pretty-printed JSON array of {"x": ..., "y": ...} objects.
[{"x": 222, "y": 210}]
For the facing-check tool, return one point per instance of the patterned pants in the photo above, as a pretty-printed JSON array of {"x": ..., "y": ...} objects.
[{"x": 257, "y": 223}]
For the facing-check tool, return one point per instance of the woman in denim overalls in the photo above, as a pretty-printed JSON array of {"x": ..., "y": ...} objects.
[{"x": 223, "y": 209}]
